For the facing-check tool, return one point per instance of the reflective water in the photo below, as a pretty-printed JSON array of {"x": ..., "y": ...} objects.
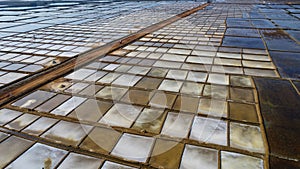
[
  {"x": 6, "y": 115},
  {"x": 194, "y": 156},
  {"x": 231, "y": 160},
  {"x": 39, "y": 156},
  {"x": 12, "y": 147},
  {"x": 246, "y": 137},
  {"x": 209, "y": 130},
  {"x": 101, "y": 140},
  {"x": 34, "y": 99},
  {"x": 78, "y": 161},
  {"x": 67, "y": 133},
  {"x": 112, "y": 165},
  {"x": 134, "y": 147},
  {"x": 177, "y": 125},
  {"x": 121, "y": 115}
]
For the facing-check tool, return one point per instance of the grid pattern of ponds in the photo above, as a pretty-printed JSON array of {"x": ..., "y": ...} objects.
[
  {"x": 180, "y": 97},
  {"x": 37, "y": 42}
]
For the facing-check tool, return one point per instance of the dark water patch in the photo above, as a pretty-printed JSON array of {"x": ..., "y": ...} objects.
[
  {"x": 294, "y": 34},
  {"x": 242, "y": 32},
  {"x": 279, "y": 163},
  {"x": 287, "y": 24},
  {"x": 280, "y": 16},
  {"x": 297, "y": 84},
  {"x": 280, "y": 104},
  {"x": 262, "y": 24},
  {"x": 279, "y": 40},
  {"x": 243, "y": 42},
  {"x": 294, "y": 10},
  {"x": 238, "y": 23},
  {"x": 256, "y": 15},
  {"x": 287, "y": 64}
]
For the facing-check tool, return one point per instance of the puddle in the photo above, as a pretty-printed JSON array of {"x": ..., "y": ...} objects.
[
  {"x": 287, "y": 64},
  {"x": 13, "y": 147},
  {"x": 197, "y": 76},
  {"x": 96, "y": 76},
  {"x": 166, "y": 154},
  {"x": 260, "y": 72},
  {"x": 194, "y": 156},
  {"x": 243, "y": 112},
  {"x": 257, "y": 57},
  {"x": 241, "y": 42},
  {"x": 138, "y": 70},
  {"x": 3, "y": 136},
  {"x": 262, "y": 24},
  {"x": 150, "y": 120},
  {"x": 199, "y": 60},
  {"x": 209, "y": 131},
  {"x": 230, "y": 55},
  {"x": 246, "y": 137},
  {"x": 173, "y": 57},
  {"x": 243, "y": 95},
  {"x": 137, "y": 97},
  {"x": 122, "y": 115},
  {"x": 108, "y": 78},
  {"x": 68, "y": 106},
  {"x": 34, "y": 99},
  {"x": 112, "y": 93},
  {"x": 170, "y": 85},
  {"x": 52, "y": 103},
  {"x": 241, "y": 81},
  {"x": 186, "y": 104},
  {"x": 287, "y": 24},
  {"x": 7, "y": 115},
  {"x": 101, "y": 140},
  {"x": 91, "y": 110},
  {"x": 67, "y": 133},
  {"x": 32, "y": 68},
  {"x": 238, "y": 23},
  {"x": 127, "y": 80},
  {"x": 227, "y": 62},
  {"x": 78, "y": 161},
  {"x": 231, "y": 160},
  {"x": 38, "y": 156},
  {"x": 294, "y": 34},
  {"x": 280, "y": 97},
  {"x": 218, "y": 79},
  {"x": 39, "y": 126},
  {"x": 148, "y": 83},
  {"x": 112, "y": 165},
  {"x": 111, "y": 67},
  {"x": 162, "y": 100},
  {"x": 80, "y": 74},
  {"x": 168, "y": 64},
  {"x": 177, "y": 74},
  {"x": 138, "y": 149},
  {"x": 196, "y": 67},
  {"x": 91, "y": 90},
  {"x": 21, "y": 122},
  {"x": 256, "y": 64},
  {"x": 177, "y": 124},
  {"x": 76, "y": 87},
  {"x": 216, "y": 91},
  {"x": 192, "y": 88},
  {"x": 278, "y": 40},
  {"x": 213, "y": 107},
  {"x": 242, "y": 32}
]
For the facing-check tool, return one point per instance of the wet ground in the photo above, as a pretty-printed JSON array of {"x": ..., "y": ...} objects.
[{"x": 217, "y": 89}]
